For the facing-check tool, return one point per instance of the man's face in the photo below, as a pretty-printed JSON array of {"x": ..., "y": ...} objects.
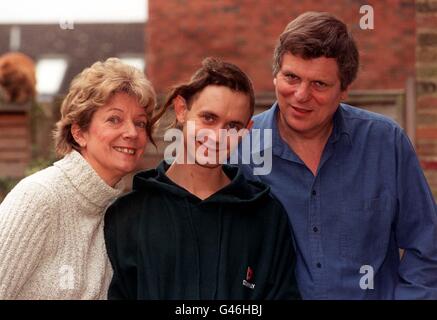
[
  {"x": 308, "y": 93},
  {"x": 216, "y": 110}
]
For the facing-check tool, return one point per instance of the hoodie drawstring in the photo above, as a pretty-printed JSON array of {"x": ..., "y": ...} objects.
[
  {"x": 220, "y": 223},
  {"x": 196, "y": 244}
]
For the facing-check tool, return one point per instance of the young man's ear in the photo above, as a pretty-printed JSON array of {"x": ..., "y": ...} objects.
[
  {"x": 78, "y": 135},
  {"x": 274, "y": 81},
  {"x": 180, "y": 108}
]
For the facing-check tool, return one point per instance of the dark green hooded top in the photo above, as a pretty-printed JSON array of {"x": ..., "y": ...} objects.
[{"x": 165, "y": 243}]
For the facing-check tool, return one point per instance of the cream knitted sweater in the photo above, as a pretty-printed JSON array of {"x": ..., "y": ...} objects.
[{"x": 51, "y": 234}]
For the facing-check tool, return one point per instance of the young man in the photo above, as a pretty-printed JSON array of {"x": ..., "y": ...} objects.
[
  {"x": 197, "y": 229},
  {"x": 349, "y": 179}
]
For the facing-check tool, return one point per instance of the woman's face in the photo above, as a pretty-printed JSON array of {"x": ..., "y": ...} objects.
[{"x": 116, "y": 139}]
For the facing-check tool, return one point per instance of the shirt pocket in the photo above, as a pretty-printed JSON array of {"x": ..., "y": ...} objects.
[{"x": 366, "y": 228}]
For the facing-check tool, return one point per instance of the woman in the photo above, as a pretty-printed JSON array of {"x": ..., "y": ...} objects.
[
  {"x": 197, "y": 229},
  {"x": 51, "y": 223}
]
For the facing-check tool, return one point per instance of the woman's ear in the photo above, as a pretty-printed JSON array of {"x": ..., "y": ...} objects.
[
  {"x": 78, "y": 135},
  {"x": 180, "y": 108}
]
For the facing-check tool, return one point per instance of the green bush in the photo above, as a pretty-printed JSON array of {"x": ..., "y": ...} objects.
[
  {"x": 6, "y": 185},
  {"x": 39, "y": 164}
]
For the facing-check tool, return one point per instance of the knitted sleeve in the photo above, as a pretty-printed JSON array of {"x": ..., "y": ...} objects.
[{"x": 24, "y": 225}]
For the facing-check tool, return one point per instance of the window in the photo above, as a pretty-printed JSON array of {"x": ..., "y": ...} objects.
[
  {"x": 49, "y": 75},
  {"x": 134, "y": 60}
]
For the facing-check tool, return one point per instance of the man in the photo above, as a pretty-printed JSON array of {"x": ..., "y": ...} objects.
[
  {"x": 349, "y": 179},
  {"x": 198, "y": 229}
]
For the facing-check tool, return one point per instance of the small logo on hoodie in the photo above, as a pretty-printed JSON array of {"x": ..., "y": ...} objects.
[{"x": 249, "y": 277}]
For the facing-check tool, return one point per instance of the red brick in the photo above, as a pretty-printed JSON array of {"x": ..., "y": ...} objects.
[
  {"x": 182, "y": 33},
  {"x": 426, "y": 133},
  {"x": 427, "y": 103},
  {"x": 429, "y": 165}
]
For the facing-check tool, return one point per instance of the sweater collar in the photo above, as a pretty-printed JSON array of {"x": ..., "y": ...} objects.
[{"x": 86, "y": 181}]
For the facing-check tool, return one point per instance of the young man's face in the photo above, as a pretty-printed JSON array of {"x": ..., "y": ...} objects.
[
  {"x": 308, "y": 93},
  {"x": 215, "y": 109}
]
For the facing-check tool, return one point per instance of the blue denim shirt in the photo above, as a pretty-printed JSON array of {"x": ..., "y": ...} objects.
[{"x": 368, "y": 199}]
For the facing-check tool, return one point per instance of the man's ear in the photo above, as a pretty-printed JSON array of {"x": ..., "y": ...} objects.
[
  {"x": 180, "y": 108},
  {"x": 77, "y": 134},
  {"x": 274, "y": 81},
  {"x": 344, "y": 94}
]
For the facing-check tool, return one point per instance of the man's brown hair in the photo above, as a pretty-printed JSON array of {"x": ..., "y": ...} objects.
[
  {"x": 213, "y": 72},
  {"x": 319, "y": 34}
]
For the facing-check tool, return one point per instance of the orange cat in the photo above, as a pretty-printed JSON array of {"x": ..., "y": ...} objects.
[{"x": 17, "y": 77}]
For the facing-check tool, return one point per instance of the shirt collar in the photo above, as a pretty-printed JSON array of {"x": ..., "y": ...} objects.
[
  {"x": 341, "y": 128},
  {"x": 278, "y": 146}
]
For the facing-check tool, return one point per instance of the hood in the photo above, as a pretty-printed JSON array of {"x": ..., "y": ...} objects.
[{"x": 239, "y": 190}]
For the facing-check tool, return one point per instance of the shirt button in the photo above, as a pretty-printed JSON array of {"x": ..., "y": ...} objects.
[
  {"x": 319, "y": 265},
  {"x": 315, "y": 229},
  {"x": 314, "y": 192}
]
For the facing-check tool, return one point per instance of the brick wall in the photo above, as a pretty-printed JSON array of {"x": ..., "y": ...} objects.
[
  {"x": 14, "y": 143},
  {"x": 182, "y": 32},
  {"x": 426, "y": 66}
]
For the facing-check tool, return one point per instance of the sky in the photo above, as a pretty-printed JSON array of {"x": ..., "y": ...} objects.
[{"x": 76, "y": 11}]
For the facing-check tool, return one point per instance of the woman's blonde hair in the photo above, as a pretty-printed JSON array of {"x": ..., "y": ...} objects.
[{"x": 91, "y": 89}]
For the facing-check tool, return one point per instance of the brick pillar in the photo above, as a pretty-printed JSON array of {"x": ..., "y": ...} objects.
[{"x": 426, "y": 69}]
